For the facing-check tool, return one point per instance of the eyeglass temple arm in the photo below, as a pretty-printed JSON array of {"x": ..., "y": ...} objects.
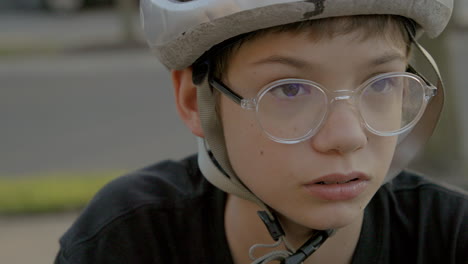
[
  {"x": 201, "y": 69},
  {"x": 411, "y": 69},
  {"x": 220, "y": 86}
]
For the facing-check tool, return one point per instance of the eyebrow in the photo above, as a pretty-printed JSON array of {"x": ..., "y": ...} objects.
[
  {"x": 301, "y": 64},
  {"x": 386, "y": 58},
  {"x": 278, "y": 59}
]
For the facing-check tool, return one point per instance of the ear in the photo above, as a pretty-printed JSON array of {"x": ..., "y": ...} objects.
[{"x": 186, "y": 100}]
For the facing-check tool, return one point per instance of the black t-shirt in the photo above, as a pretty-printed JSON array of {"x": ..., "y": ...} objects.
[{"x": 168, "y": 213}]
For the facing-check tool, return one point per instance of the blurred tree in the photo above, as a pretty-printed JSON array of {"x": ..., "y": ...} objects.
[{"x": 126, "y": 11}]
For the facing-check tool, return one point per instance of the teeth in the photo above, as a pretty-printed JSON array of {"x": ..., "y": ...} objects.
[
  {"x": 335, "y": 182},
  {"x": 325, "y": 182}
]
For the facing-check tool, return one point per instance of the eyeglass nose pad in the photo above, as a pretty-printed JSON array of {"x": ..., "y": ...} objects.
[
  {"x": 345, "y": 96},
  {"x": 342, "y": 95}
]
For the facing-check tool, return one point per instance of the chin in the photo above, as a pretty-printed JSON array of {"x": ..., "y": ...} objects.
[
  {"x": 333, "y": 223},
  {"x": 332, "y": 216}
]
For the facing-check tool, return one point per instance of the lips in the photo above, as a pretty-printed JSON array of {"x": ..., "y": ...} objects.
[
  {"x": 338, "y": 178},
  {"x": 336, "y": 187},
  {"x": 337, "y": 182}
]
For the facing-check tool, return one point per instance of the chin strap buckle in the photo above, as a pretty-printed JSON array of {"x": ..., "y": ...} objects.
[
  {"x": 297, "y": 257},
  {"x": 309, "y": 247},
  {"x": 273, "y": 226}
]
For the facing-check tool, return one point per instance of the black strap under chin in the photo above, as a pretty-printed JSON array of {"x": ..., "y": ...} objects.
[{"x": 309, "y": 247}]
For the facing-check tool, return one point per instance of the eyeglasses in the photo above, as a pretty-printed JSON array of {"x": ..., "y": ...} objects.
[{"x": 293, "y": 110}]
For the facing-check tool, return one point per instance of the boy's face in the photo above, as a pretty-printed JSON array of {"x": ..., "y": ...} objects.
[{"x": 299, "y": 180}]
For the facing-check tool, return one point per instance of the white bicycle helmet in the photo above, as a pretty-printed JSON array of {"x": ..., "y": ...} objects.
[{"x": 181, "y": 31}]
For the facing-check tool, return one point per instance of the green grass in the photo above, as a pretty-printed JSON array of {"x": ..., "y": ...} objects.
[
  {"x": 50, "y": 193},
  {"x": 25, "y": 50}
]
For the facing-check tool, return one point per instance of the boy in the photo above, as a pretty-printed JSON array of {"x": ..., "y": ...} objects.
[{"x": 306, "y": 112}]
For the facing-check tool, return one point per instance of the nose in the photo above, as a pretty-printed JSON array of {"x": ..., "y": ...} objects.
[{"x": 342, "y": 131}]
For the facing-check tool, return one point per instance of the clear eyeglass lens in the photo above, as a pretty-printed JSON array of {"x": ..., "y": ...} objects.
[
  {"x": 292, "y": 110},
  {"x": 392, "y": 103}
]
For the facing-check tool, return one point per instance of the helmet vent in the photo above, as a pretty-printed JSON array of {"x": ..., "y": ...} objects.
[{"x": 319, "y": 7}]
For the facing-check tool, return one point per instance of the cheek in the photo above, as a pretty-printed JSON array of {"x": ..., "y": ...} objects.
[
  {"x": 240, "y": 131},
  {"x": 250, "y": 152},
  {"x": 381, "y": 153},
  {"x": 239, "y": 125},
  {"x": 387, "y": 146}
]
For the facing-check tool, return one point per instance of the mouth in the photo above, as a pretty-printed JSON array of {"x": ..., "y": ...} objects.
[
  {"x": 338, "y": 182},
  {"x": 338, "y": 178},
  {"x": 336, "y": 187}
]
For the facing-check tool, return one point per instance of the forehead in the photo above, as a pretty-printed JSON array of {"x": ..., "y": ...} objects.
[{"x": 287, "y": 53}]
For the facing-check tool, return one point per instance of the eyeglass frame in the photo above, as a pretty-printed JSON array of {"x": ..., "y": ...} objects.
[{"x": 252, "y": 103}]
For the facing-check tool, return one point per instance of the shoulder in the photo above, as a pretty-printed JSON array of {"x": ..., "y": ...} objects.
[
  {"x": 411, "y": 189},
  {"x": 167, "y": 183},
  {"x": 164, "y": 182},
  {"x": 420, "y": 220},
  {"x": 132, "y": 207},
  {"x": 416, "y": 198}
]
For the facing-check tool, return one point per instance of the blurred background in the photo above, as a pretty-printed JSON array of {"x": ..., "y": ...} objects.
[{"x": 82, "y": 98}]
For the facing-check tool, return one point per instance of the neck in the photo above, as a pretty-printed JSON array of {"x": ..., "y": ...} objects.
[{"x": 245, "y": 229}]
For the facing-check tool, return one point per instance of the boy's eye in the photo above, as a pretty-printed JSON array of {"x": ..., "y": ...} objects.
[
  {"x": 384, "y": 85},
  {"x": 290, "y": 90}
]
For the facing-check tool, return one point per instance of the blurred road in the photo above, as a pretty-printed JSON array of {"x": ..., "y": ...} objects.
[
  {"x": 96, "y": 109},
  {"x": 87, "y": 111}
]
